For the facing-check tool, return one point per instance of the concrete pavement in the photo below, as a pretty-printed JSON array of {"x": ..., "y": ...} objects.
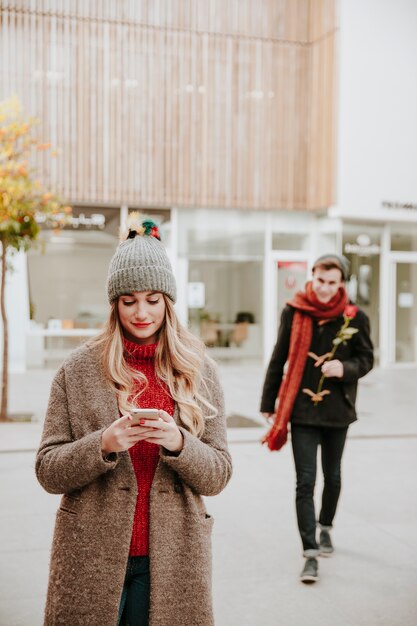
[
  {"x": 386, "y": 403},
  {"x": 372, "y": 578}
]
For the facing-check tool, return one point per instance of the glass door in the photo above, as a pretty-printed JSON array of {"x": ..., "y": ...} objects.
[
  {"x": 287, "y": 274},
  {"x": 291, "y": 277},
  {"x": 405, "y": 312}
]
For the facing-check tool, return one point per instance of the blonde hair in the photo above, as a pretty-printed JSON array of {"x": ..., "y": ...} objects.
[{"x": 179, "y": 360}]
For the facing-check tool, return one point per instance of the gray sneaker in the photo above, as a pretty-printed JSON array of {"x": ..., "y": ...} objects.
[
  {"x": 325, "y": 543},
  {"x": 310, "y": 573}
]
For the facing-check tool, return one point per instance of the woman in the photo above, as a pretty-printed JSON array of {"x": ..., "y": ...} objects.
[{"x": 132, "y": 541}]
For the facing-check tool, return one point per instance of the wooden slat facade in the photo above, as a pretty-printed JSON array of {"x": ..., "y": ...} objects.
[{"x": 179, "y": 102}]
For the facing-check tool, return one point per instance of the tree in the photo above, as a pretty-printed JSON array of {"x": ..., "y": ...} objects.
[{"x": 23, "y": 203}]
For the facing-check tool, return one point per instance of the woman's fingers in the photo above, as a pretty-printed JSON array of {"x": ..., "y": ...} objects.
[
  {"x": 166, "y": 417},
  {"x": 139, "y": 430},
  {"x": 163, "y": 431},
  {"x": 124, "y": 420},
  {"x": 157, "y": 439},
  {"x": 170, "y": 438},
  {"x": 152, "y": 424}
]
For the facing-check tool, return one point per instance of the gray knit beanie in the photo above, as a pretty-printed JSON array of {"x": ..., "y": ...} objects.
[
  {"x": 338, "y": 259},
  {"x": 141, "y": 263}
]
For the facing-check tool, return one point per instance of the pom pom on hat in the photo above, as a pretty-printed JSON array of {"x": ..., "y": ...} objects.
[
  {"x": 137, "y": 226},
  {"x": 141, "y": 262}
]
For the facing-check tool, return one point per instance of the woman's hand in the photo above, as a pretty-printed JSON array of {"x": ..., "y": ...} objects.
[
  {"x": 121, "y": 436},
  {"x": 164, "y": 432}
]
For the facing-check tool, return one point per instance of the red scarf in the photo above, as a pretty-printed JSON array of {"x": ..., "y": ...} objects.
[{"x": 308, "y": 307}]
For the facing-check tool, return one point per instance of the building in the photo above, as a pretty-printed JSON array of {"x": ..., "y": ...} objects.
[{"x": 245, "y": 129}]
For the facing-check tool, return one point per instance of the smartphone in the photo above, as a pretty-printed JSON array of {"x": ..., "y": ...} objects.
[{"x": 143, "y": 414}]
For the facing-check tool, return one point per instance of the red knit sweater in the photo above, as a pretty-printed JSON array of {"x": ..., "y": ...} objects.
[{"x": 145, "y": 455}]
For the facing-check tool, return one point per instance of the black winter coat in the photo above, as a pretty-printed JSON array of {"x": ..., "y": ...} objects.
[{"x": 338, "y": 408}]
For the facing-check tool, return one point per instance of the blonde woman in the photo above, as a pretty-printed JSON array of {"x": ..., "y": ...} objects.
[{"x": 132, "y": 541}]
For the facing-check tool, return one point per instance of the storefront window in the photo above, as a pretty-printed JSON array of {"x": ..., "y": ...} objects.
[
  {"x": 404, "y": 237},
  {"x": 291, "y": 231},
  {"x": 361, "y": 246},
  {"x": 225, "y": 306},
  {"x": 224, "y": 253},
  {"x": 327, "y": 243},
  {"x": 406, "y": 313},
  {"x": 291, "y": 277},
  {"x": 289, "y": 241},
  {"x": 220, "y": 233},
  {"x": 67, "y": 277}
]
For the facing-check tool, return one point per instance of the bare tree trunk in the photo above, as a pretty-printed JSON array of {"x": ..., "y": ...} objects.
[{"x": 5, "y": 373}]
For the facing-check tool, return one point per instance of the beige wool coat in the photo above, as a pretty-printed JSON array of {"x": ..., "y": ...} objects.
[{"x": 94, "y": 521}]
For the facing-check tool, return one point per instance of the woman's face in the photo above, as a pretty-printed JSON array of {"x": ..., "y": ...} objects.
[{"x": 141, "y": 314}]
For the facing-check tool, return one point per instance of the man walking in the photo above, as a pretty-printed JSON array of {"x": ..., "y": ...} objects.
[{"x": 326, "y": 343}]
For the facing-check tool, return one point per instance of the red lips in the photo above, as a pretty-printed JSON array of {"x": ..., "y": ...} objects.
[{"x": 138, "y": 325}]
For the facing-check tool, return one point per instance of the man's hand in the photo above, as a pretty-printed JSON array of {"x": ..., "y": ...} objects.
[
  {"x": 268, "y": 416},
  {"x": 332, "y": 369}
]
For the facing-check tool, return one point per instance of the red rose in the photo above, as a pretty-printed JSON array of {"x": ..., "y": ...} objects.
[{"x": 350, "y": 311}]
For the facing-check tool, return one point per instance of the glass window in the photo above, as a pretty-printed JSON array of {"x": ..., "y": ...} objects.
[
  {"x": 362, "y": 239},
  {"x": 291, "y": 277},
  {"x": 327, "y": 243},
  {"x": 291, "y": 231},
  {"x": 404, "y": 237},
  {"x": 227, "y": 312},
  {"x": 406, "y": 313},
  {"x": 361, "y": 246},
  {"x": 289, "y": 241},
  {"x": 220, "y": 233},
  {"x": 68, "y": 270}
]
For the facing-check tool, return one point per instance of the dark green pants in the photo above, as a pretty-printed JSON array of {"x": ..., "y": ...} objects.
[{"x": 134, "y": 603}]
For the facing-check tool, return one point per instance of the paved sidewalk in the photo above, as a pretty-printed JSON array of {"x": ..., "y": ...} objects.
[
  {"x": 370, "y": 581},
  {"x": 386, "y": 404}
]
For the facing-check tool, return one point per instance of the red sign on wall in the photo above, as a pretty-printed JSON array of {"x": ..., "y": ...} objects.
[{"x": 293, "y": 266}]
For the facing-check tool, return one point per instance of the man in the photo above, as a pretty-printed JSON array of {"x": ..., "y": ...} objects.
[{"x": 326, "y": 342}]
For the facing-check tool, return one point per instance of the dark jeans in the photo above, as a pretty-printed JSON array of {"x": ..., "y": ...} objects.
[
  {"x": 305, "y": 441},
  {"x": 134, "y": 603}
]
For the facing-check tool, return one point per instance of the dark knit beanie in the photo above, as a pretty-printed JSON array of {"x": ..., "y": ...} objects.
[
  {"x": 140, "y": 263},
  {"x": 338, "y": 259}
]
